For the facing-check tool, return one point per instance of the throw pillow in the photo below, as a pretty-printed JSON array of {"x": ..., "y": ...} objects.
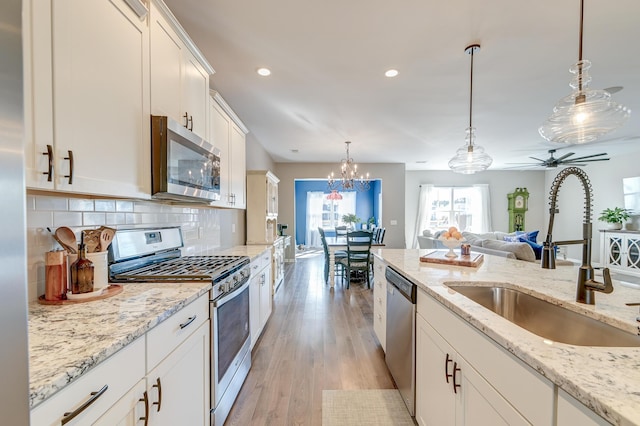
[
  {"x": 531, "y": 235},
  {"x": 537, "y": 248},
  {"x": 523, "y": 251}
]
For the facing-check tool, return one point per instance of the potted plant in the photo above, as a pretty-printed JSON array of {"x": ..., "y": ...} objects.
[
  {"x": 350, "y": 220},
  {"x": 614, "y": 217},
  {"x": 371, "y": 222}
]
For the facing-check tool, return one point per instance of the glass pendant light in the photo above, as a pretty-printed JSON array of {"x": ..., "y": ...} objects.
[
  {"x": 470, "y": 158},
  {"x": 586, "y": 114}
]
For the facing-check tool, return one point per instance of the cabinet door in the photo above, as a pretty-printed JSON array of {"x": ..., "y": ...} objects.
[
  {"x": 572, "y": 412},
  {"x": 479, "y": 403},
  {"x": 632, "y": 253},
  {"x": 219, "y": 131},
  {"x": 254, "y": 307},
  {"x": 435, "y": 400},
  {"x": 166, "y": 69},
  {"x": 380, "y": 302},
  {"x": 195, "y": 94},
  {"x": 265, "y": 297},
  {"x": 130, "y": 410},
  {"x": 178, "y": 387},
  {"x": 238, "y": 181},
  {"x": 101, "y": 98}
]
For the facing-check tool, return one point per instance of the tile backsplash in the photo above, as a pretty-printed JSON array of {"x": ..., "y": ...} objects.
[{"x": 203, "y": 229}]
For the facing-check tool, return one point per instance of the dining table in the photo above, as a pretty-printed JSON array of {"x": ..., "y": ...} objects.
[{"x": 339, "y": 243}]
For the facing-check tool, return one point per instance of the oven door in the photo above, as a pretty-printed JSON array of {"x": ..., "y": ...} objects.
[{"x": 230, "y": 342}]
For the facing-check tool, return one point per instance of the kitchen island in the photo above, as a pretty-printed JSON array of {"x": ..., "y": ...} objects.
[{"x": 604, "y": 379}]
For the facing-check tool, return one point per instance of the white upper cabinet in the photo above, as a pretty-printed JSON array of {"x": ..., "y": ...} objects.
[
  {"x": 87, "y": 90},
  {"x": 179, "y": 73},
  {"x": 228, "y": 134}
]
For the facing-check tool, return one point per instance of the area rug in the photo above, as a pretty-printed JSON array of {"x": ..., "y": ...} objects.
[{"x": 383, "y": 407}]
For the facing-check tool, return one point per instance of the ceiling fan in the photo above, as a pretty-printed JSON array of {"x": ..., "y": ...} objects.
[{"x": 565, "y": 160}]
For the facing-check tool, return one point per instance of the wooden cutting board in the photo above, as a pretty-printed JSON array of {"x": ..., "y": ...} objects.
[{"x": 473, "y": 260}]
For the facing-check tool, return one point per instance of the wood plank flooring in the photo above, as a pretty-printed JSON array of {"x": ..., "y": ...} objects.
[{"x": 317, "y": 338}]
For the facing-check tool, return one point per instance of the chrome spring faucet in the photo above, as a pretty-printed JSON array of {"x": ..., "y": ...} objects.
[{"x": 586, "y": 285}]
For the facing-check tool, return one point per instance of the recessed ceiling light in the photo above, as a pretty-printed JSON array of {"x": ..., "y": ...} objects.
[
  {"x": 264, "y": 71},
  {"x": 391, "y": 73},
  {"x": 421, "y": 161},
  {"x": 295, "y": 151}
]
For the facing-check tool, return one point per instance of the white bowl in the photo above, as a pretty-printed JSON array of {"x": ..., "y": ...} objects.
[{"x": 451, "y": 243}]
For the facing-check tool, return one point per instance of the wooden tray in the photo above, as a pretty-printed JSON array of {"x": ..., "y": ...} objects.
[
  {"x": 112, "y": 290},
  {"x": 473, "y": 260}
]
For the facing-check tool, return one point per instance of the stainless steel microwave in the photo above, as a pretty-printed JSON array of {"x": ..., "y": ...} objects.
[{"x": 184, "y": 167}]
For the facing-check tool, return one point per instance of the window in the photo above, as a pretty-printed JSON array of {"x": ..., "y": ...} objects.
[{"x": 465, "y": 207}]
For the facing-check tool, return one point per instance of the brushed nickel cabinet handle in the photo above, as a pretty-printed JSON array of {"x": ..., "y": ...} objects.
[
  {"x": 189, "y": 321},
  {"x": 49, "y": 171},
  {"x": 70, "y": 175},
  {"x": 67, "y": 417},
  {"x": 446, "y": 368},
  {"x": 455, "y": 370},
  {"x": 159, "y": 386},
  {"x": 145, "y": 399}
]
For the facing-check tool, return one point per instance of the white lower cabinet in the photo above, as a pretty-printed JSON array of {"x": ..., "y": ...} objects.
[
  {"x": 572, "y": 412},
  {"x": 380, "y": 302},
  {"x": 161, "y": 378},
  {"x": 451, "y": 392},
  {"x": 464, "y": 378},
  {"x": 260, "y": 301},
  {"x": 178, "y": 388}
]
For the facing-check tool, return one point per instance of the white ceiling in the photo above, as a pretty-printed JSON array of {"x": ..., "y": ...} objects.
[{"x": 328, "y": 60}]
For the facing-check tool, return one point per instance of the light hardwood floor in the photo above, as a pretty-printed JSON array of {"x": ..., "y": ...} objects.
[{"x": 317, "y": 338}]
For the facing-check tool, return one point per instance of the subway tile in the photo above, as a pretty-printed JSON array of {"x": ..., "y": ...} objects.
[
  {"x": 67, "y": 219},
  {"x": 124, "y": 206},
  {"x": 115, "y": 219},
  {"x": 93, "y": 219},
  {"x": 105, "y": 205},
  {"x": 80, "y": 205},
  {"x": 31, "y": 202},
  {"x": 133, "y": 219},
  {"x": 39, "y": 219},
  {"x": 45, "y": 202},
  {"x": 145, "y": 207}
]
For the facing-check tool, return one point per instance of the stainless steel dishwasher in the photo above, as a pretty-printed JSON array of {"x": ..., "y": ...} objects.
[{"x": 401, "y": 335}]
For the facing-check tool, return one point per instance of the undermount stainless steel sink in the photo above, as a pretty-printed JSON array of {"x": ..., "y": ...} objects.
[{"x": 547, "y": 320}]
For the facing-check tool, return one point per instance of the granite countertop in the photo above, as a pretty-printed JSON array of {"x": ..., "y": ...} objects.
[
  {"x": 607, "y": 380},
  {"x": 66, "y": 341}
]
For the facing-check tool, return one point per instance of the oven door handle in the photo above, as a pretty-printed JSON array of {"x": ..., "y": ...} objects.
[{"x": 234, "y": 293}]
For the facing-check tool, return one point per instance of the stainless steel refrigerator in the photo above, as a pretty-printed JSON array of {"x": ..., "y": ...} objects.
[{"x": 14, "y": 358}]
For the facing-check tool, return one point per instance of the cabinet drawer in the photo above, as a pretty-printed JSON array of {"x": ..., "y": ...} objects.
[
  {"x": 119, "y": 373},
  {"x": 164, "y": 338},
  {"x": 260, "y": 262}
]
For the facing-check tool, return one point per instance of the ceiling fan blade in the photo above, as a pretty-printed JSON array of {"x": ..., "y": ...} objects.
[
  {"x": 587, "y": 161},
  {"x": 590, "y": 156},
  {"x": 568, "y": 154},
  {"x": 538, "y": 159},
  {"x": 613, "y": 89}
]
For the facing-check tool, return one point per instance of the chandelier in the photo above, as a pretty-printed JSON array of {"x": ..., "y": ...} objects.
[
  {"x": 470, "y": 158},
  {"x": 348, "y": 178},
  {"x": 586, "y": 114}
]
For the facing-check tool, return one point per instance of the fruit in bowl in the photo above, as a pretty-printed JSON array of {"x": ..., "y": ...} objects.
[{"x": 451, "y": 238}]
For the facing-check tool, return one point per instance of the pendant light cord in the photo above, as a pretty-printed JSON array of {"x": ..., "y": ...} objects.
[
  {"x": 471, "y": 89},
  {"x": 580, "y": 45}
]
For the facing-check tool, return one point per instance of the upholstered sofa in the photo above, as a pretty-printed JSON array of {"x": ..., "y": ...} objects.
[{"x": 521, "y": 246}]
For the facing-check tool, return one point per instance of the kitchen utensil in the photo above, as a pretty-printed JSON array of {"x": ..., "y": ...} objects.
[
  {"x": 67, "y": 239},
  {"x": 106, "y": 235},
  {"x": 92, "y": 239}
]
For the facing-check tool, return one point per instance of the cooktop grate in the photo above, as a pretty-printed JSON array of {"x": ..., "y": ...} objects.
[{"x": 187, "y": 268}]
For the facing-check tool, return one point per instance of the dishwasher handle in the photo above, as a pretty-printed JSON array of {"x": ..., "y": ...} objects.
[{"x": 404, "y": 286}]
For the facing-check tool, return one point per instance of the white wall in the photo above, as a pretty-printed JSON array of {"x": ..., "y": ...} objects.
[
  {"x": 500, "y": 183},
  {"x": 257, "y": 157},
  {"x": 393, "y": 194},
  {"x": 606, "y": 181}
]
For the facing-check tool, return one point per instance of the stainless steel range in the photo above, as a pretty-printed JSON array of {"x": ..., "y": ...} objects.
[{"x": 154, "y": 255}]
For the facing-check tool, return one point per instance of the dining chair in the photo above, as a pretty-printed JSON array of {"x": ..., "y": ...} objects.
[
  {"x": 358, "y": 254},
  {"x": 380, "y": 235},
  {"x": 341, "y": 231},
  {"x": 337, "y": 255}
]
